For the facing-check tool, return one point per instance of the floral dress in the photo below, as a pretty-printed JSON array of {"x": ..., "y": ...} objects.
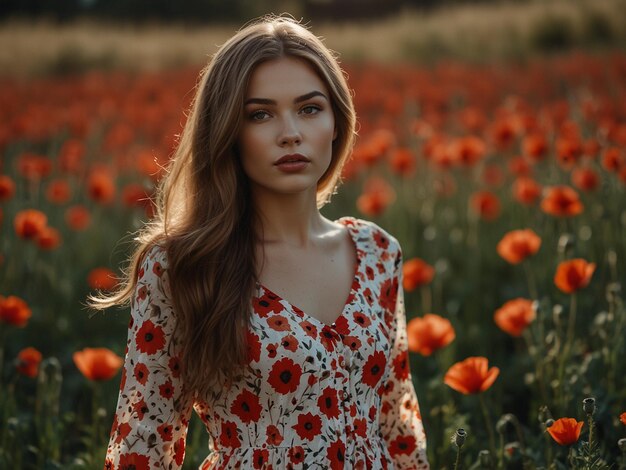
[{"x": 314, "y": 396}]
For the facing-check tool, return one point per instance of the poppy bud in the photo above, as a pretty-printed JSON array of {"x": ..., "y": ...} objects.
[
  {"x": 459, "y": 437},
  {"x": 557, "y": 313},
  {"x": 549, "y": 422},
  {"x": 502, "y": 422},
  {"x": 484, "y": 458},
  {"x": 622, "y": 444},
  {"x": 612, "y": 291},
  {"x": 566, "y": 243},
  {"x": 589, "y": 405},
  {"x": 544, "y": 414}
]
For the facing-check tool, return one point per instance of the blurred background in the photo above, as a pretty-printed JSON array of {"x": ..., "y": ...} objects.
[{"x": 477, "y": 120}]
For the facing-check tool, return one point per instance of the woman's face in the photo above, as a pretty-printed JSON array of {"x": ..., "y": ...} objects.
[{"x": 288, "y": 128}]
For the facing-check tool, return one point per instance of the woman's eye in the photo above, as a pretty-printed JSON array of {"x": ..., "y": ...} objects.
[
  {"x": 311, "y": 109},
  {"x": 258, "y": 115}
]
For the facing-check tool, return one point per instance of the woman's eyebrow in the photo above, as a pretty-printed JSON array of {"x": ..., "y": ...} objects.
[{"x": 296, "y": 100}]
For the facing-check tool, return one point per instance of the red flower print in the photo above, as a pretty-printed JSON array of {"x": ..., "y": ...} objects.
[
  {"x": 165, "y": 431},
  {"x": 327, "y": 338},
  {"x": 353, "y": 342},
  {"x": 271, "y": 350},
  {"x": 381, "y": 240},
  {"x": 401, "y": 366},
  {"x": 296, "y": 454},
  {"x": 254, "y": 347},
  {"x": 341, "y": 325},
  {"x": 109, "y": 465},
  {"x": 179, "y": 451},
  {"x": 141, "y": 409},
  {"x": 278, "y": 323},
  {"x": 328, "y": 403},
  {"x": 374, "y": 368},
  {"x": 166, "y": 390},
  {"x": 260, "y": 458},
  {"x": 369, "y": 272},
  {"x": 150, "y": 338},
  {"x": 228, "y": 436},
  {"x": 247, "y": 407},
  {"x": 157, "y": 269},
  {"x": 174, "y": 365},
  {"x": 360, "y": 428},
  {"x": 121, "y": 432},
  {"x": 274, "y": 437},
  {"x": 142, "y": 293},
  {"x": 388, "y": 294},
  {"x": 285, "y": 376},
  {"x": 309, "y": 328},
  {"x": 336, "y": 454},
  {"x": 308, "y": 426},
  {"x": 402, "y": 445},
  {"x": 266, "y": 304},
  {"x": 141, "y": 373},
  {"x": 361, "y": 319},
  {"x": 134, "y": 462},
  {"x": 289, "y": 342}
]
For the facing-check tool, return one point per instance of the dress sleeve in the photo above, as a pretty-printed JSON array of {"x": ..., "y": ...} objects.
[
  {"x": 400, "y": 418},
  {"x": 153, "y": 409}
]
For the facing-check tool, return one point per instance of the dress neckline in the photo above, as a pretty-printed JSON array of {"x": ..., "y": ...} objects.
[{"x": 349, "y": 223}]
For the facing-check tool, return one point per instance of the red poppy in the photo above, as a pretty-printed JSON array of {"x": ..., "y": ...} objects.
[
  {"x": 517, "y": 245},
  {"x": 568, "y": 151},
  {"x": 514, "y": 316},
  {"x": 274, "y": 437},
  {"x": 141, "y": 373},
  {"x": 377, "y": 196},
  {"x": 285, "y": 376},
  {"x": 336, "y": 453},
  {"x": 14, "y": 311},
  {"x": 247, "y": 407},
  {"x": 150, "y": 338},
  {"x": 34, "y": 167},
  {"x": 296, "y": 454},
  {"x": 328, "y": 403},
  {"x": 29, "y": 223},
  {"x": 7, "y": 188},
  {"x": 566, "y": 431},
  {"x": 585, "y": 179},
  {"x": 165, "y": 430},
  {"x": 428, "y": 334},
  {"x": 229, "y": 437},
  {"x": 403, "y": 162},
  {"x": 102, "y": 278},
  {"x": 77, "y": 217},
  {"x": 402, "y": 445},
  {"x": 166, "y": 390},
  {"x": 561, "y": 201},
  {"x": 58, "y": 192},
  {"x": 485, "y": 204},
  {"x": 71, "y": 155},
  {"x": 374, "y": 368},
  {"x": 28, "y": 361},
  {"x": 471, "y": 375},
  {"x": 416, "y": 273},
  {"x": 100, "y": 186},
  {"x": 135, "y": 195},
  {"x": 308, "y": 426},
  {"x": 468, "y": 150},
  {"x": 573, "y": 275},
  {"x": 134, "y": 462},
  {"x": 519, "y": 166},
  {"x": 622, "y": 418},
  {"x": 401, "y": 366},
  {"x": 526, "y": 190},
  {"x": 97, "y": 363},
  {"x": 174, "y": 365},
  {"x": 260, "y": 458},
  {"x": 49, "y": 238},
  {"x": 309, "y": 328},
  {"x": 535, "y": 146},
  {"x": 612, "y": 159}
]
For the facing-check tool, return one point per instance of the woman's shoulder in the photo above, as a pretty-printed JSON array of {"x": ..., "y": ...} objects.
[{"x": 371, "y": 234}]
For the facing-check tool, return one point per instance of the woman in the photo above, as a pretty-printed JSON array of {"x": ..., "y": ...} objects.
[{"x": 285, "y": 331}]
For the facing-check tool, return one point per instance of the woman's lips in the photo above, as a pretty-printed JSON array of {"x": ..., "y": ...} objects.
[{"x": 292, "y": 163}]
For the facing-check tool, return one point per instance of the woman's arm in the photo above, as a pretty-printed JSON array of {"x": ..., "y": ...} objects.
[
  {"x": 400, "y": 418},
  {"x": 153, "y": 409}
]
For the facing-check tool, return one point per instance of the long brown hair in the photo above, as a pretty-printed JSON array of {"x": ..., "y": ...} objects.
[{"x": 205, "y": 217}]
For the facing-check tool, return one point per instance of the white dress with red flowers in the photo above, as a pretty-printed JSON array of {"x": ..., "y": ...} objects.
[{"x": 314, "y": 396}]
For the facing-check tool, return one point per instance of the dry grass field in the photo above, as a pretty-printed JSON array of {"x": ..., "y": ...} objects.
[{"x": 476, "y": 33}]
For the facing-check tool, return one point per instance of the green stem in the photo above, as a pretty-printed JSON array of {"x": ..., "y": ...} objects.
[
  {"x": 492, "y": 440},
  {"x": 569, "y": 339},
  {"x": 457, "y": 463},
  {"x": 590, "y": 438},
  {"x": 530, "y": 278}
]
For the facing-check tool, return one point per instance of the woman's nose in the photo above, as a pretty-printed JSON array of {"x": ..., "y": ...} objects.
[{"x": 290, "y": 133}]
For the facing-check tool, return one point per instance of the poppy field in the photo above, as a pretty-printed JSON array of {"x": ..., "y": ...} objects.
[{"x": 504, "y": 183}]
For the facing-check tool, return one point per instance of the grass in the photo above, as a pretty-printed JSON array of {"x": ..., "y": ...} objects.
[{"x": 482, "y": 33}]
